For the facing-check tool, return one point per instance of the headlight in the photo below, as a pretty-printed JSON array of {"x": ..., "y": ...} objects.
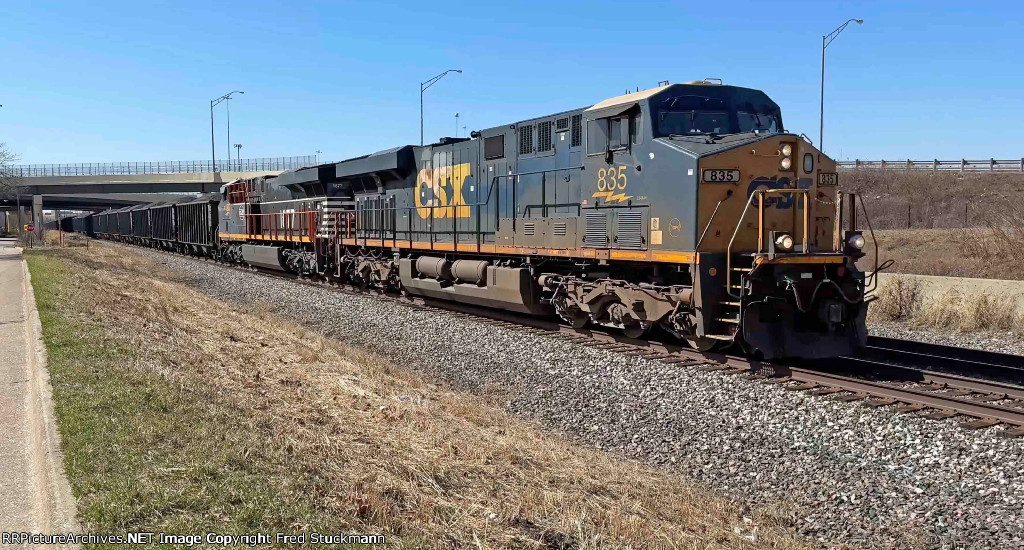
[
  {"x": 856, "y": 241},
  {"x": 786, "y": 150},
  {"x": 784, "y": 242},
  {"x": 786, "y": 162}
]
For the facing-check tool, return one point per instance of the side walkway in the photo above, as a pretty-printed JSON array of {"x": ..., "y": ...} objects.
[{"x": 34, "y": 492}]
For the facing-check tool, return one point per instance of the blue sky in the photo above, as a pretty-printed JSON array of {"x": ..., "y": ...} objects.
[{"x": 132, "y": 81}]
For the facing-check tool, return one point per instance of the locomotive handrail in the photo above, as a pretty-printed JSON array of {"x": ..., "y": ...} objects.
[
  {"x": 282, "y": 225},
  {"x": 515, "y": 195},
  {"x": 760, "y": 194},
  {"x": 696, "y": 247},
  {"x": 873, "y": 278}
]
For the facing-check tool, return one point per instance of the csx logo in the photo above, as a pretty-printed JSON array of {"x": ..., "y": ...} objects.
[
  {"x": 439, "y": 192},
  {"x": 781, "y": 202}
]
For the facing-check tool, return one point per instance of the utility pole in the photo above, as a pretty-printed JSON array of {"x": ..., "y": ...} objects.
[
  {"x": 238, "y": 156},
  {"x": 456, "y": 124}
]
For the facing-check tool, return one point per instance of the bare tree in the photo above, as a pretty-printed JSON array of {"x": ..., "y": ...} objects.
[{"x": 8, "y": 181}]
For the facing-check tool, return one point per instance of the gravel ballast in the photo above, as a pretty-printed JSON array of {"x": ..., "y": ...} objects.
[{"x": 845, "y": 473}]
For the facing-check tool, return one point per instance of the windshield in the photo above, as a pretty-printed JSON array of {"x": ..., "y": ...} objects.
[
  {"x": 761, "y": 122},
  {"x": 714, "y": 111},
  {"x": 693, "y": 122}
]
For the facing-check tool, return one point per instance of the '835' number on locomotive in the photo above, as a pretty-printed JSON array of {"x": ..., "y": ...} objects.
[{"x": 720, "y": 176}]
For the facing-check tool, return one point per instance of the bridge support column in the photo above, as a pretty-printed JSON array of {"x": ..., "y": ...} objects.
[{"x": 37, "y": 214}]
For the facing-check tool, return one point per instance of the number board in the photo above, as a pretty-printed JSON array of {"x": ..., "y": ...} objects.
[
  {"x": 828, "y": 178},
  {"x": 720, "y": 176}
]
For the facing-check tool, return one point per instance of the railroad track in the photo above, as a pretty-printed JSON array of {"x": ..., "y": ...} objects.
[
  {"x": 890, "y": 372},
  {"x": 966, "y": 361}
]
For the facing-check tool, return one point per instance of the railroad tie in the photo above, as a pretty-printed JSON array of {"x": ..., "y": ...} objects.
[
  {"x": 1016, "y": 431},
  {"x": 802, "y": 386},
  {"x": 979, "y": 423},
  {"x": 826, "y": 390},
  {"x": 940, "y": 414}
]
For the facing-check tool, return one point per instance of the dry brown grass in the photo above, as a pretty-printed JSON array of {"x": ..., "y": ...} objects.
[
  {"x": 947, "y": 252},
  {"x": 899, "y": 299},
  {"x": 946, "y": 199},
  {"x": 375, "y": 448},
  {"x": 904, "y": 299}
]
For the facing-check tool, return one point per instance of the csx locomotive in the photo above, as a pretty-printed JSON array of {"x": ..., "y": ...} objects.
[{"x": 684, "y": 207}]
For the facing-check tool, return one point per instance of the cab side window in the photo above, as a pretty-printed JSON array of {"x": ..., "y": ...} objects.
[
  {"x": 597, "y": 136},
  {"x": 618, "y": 133}
]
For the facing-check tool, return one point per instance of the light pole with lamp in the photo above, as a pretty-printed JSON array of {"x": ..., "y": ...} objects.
[
  {"x": 238, "y": 155},
  {"x": 825, "y": 41},
  {"x": 213, "y": 147},
  {"x": 423, "y": 88}
]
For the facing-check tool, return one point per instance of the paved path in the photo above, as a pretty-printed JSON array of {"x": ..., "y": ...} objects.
[{"x": 34, "y": 492}]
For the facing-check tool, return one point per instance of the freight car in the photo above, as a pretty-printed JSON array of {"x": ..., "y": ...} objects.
[
  {"x": 686, "y": 208},
  {"x": 83, "y": 224}
]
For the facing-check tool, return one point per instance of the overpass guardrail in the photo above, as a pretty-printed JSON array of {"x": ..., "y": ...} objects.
[
  {"x": 961, "y": 165},
  {"x": 159, "y": 167}
]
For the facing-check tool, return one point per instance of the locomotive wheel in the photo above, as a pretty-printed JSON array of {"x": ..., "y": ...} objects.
[
  {"x": 634, "y": 331},
  {"x": 701, "y": 344},
  {"x": 578, "y": 319}
]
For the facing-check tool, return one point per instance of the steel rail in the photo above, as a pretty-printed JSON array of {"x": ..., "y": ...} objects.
[
  {"x": 964, "y": 360},
  {"x": 978, "y": 409},
  {"x": 910, "y": 374}
]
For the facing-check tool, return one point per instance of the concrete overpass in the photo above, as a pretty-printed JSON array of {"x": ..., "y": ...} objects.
[
  {"x": 93, "y": 202},
  {"x": 96, "y": 186}
]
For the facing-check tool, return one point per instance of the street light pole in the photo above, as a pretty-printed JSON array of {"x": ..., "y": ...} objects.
[
  {"x": 825, "y": 41},
  {"x": 213, "y": 146},
  {"x": 227, "y": 109},
  {"x": 423, "y": 88}
]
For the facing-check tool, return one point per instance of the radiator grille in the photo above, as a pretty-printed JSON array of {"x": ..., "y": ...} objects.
[
  {"x": 526, "y": 139},
  {"x": 529, "y": 228},
  {"x": 559, "y": 229},
  {"x": 577, "y": 130},
  {"x": 544, "y": 136},
  {"x": 629, "y": 229},
  {"x": 596, "y": 235},
  {"x": 562, "y": 124}
]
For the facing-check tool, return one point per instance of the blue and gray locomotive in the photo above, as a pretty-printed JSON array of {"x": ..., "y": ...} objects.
[{"x": 685, "y": 208}]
